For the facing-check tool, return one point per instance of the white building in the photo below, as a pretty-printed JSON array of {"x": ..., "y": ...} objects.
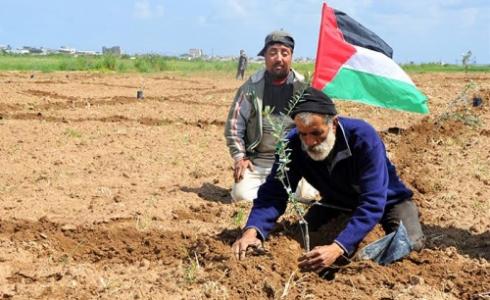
[
  {"x": 196, "y": 53},
  {"x": 5, "y": 48},
  {"x": 18, "y": 51},
  {"x": 67, "y": 50},
  {"x": 86, "y": 53}
]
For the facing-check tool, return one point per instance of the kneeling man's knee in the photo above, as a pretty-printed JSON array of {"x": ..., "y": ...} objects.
[{"x": 242, "y": 193}]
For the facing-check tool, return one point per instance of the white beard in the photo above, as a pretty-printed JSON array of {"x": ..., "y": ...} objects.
[{"x": 322, "y": 150}]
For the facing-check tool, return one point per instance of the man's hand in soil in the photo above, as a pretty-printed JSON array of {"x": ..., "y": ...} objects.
[
  {"x": 248, "y": 239},
  {"x": 320, "y": 257},
  {"x": 240, "y": 167}
]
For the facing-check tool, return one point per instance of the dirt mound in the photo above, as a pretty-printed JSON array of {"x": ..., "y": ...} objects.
[
  {"x": 115, "y": 243},
  {"x": 207, "y": 259},
  {"x": 274, "y": 273}
]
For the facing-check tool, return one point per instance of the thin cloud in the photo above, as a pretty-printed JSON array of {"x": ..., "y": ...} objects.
[
  {"x": 218, "y": 11},
  {"x": 202, "y": 20},
  {"x": 160, "y": 10},
  {"x": 431, "y": 15},
  {"x": 144, "y": 10},
  {"x": 468, "y": 17},
  {"x": 237, "y": 7}
]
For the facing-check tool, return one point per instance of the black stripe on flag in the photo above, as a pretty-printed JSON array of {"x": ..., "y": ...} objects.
[{"x": 356, "y": 34}]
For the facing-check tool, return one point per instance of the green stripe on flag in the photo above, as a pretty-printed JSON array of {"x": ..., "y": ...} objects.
[{"x": 350, "y": 85}]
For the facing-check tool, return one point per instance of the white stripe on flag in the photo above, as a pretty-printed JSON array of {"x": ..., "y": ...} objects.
[{"x": 376, "y": 63}]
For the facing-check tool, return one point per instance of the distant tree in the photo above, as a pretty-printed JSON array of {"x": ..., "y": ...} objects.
[{"x": 466, "y": 59}]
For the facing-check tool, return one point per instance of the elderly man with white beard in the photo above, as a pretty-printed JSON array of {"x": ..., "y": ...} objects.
[{"x": 346, "y": 161}]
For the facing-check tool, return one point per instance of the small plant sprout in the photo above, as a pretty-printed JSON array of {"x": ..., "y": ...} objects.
[
  {"x": 72, "y": 133},
  {"x": 457, "y": 109},
  {"x": 287, "y": 285},
  {"x": 144, "y": 220},
  {"x": 192, "y": 269},
  {"x": 283, "y": 152},
  {"x": 238, "y": 217}
]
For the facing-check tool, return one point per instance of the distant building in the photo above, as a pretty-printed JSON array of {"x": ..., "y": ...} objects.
[
  {"x": 18, "y": 51},
  {"x": 86, "y": 53},
  {"x": 46, "y": 51},
  {"x": 66, "y": 50},
  {"x": 195, "y": 53},
  {"x": 34, "y": 50},
  {"x": 116, "y": 50},
  {"x": 52, "y": 51},
  {"x": 185, "y": 56},
  {"x": 5, "y": 48}
]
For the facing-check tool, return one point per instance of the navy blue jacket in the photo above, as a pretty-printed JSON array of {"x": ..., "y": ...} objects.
[{"x": 357, "y": 175}]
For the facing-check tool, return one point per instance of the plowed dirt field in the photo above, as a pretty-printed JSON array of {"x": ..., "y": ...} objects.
[{"x": 110, "y": 197}]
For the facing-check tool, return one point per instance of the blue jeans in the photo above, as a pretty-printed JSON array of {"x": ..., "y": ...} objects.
[{"x": 405, "y": 211}]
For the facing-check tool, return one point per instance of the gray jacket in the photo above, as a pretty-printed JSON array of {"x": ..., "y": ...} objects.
[{"x": 243, "y": 129}]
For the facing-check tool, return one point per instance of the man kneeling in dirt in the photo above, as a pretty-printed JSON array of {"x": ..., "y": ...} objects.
[{"x": 346, "y": 161}]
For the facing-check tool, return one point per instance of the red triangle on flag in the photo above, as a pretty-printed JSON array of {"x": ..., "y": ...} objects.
[{"x": 333, "y": 51}]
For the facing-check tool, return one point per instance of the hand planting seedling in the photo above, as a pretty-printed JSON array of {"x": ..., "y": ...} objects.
[{"x": 279, "y": 132}]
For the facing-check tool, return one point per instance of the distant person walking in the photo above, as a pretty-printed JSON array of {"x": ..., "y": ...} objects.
[{"x": 242, "y": 65}]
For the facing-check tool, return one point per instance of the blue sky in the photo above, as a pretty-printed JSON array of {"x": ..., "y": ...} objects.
[{"x": 418, "y": 30}]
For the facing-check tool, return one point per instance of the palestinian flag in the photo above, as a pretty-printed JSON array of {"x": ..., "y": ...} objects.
[{"x": 353, "y": 63}]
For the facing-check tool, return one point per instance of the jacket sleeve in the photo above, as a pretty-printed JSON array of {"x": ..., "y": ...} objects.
[
  {"x": 373, "y": 183},
  {"x": 271, "y": 201},
  {"x": 236, "y": 124}
]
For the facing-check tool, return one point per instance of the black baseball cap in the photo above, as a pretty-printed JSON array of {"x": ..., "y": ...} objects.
[{"x": 274, "y": 37}]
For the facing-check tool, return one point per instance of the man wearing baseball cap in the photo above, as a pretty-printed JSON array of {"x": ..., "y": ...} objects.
[
  {"x": 346, "y": 161},
  {"x": 249, "y": 135},
  {"x": 281, "y": 37}
]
